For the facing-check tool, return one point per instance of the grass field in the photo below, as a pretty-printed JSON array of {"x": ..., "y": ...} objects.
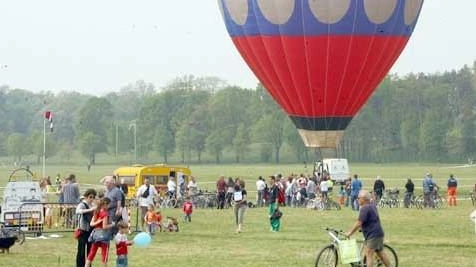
[{"x": 421, "y": 237}]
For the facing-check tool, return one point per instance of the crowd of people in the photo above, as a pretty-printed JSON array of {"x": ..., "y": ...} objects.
[{"x": 105, "y": 210}]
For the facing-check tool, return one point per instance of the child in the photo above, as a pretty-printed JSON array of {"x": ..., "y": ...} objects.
[
  {"x": 187, "y": 210},
  {"x": 341, "y": 195},
  {"x": 172, "y": 224},
  {"x": 100, "y": 221},
  {"x": 121, "y": 244},
  {"x": 151, "y": 219}
]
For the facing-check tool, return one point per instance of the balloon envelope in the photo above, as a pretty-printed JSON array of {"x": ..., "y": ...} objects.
[
  {"x": 142, "y": 239},
  {"x": 320, "y": 59}
]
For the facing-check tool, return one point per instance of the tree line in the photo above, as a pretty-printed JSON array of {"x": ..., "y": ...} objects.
[{"x": 418, "y": 117}]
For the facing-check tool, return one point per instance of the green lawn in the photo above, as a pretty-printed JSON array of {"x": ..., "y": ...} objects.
[{"x": 421, "y": 237}]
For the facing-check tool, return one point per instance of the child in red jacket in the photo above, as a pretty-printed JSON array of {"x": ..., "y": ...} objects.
[{"x": 187, "y": 210}]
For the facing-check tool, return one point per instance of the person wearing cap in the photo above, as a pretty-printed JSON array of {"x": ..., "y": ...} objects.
[{"x": 369, "y": 222}]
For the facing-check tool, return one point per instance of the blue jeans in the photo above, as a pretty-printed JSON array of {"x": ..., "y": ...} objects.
[
  {"x": 354, "y": 202},
  {"x": 121, "y": 261}
]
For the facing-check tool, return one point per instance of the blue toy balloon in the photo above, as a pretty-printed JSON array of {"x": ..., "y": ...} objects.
[{"x": 142, "y": 239}]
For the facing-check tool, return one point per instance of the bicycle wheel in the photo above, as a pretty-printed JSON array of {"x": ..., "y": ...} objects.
[
  {"x": 172, "y": 203},
  {"x": 420, "y": 202},
  {"x": 332, "y": 204},
  {"x": 439, "y": 202},
  {"x": 311, "y": 204},
  {"x": 391, "y": 255},
  {"x": 327, "y": 257}
]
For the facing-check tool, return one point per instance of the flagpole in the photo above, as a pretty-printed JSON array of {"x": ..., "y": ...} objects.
[{"x": 44, "y": 148}]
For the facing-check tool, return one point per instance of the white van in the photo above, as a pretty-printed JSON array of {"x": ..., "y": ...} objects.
[
  {"x": 22, "y": 206},
  {"x": 338, "y": 169}
]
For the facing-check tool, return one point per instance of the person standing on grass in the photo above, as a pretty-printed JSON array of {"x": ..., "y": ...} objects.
[
  {"x": 239, "y": 197},
  {"x": 372, "y": 230},
  {"x": 221, "y": 189},
  {"x": 121, "y": 244},
  {"x": 100, "y": 221},
  {"x": 260, "y": 186},
  {"x": 85, "y": 211},
  {"x": 273, "y": 204},
  {"x": 452, "y": 185},
  {"x": 355, "y": 187},
  {"x": 145, "y": 195},
  {"x": 379, "y": 188},
  {"x": 409, "y": 187},
  {"x": 187, "y": 209}
]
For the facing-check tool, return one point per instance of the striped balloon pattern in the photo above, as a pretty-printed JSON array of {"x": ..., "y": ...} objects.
[{"x": 320, "y": 59}]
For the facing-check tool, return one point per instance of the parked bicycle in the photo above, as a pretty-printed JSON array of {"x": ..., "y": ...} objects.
[
  {"x": 168, "y": 201},
  {"x": 434, "y": 201},
  {"x": 329, "y": 255},
  {"x": 322, "y": 204},
  {"x": 390, "y": 199}
]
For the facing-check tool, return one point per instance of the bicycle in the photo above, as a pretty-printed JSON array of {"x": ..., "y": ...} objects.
[
  {"x": 390, "y": 199},
  {"x": 329, "y": 255},
  {"x": 322, "y": 204}
]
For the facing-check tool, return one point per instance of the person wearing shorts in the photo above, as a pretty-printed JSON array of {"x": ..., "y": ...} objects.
[{"x": 372, "y": 230}]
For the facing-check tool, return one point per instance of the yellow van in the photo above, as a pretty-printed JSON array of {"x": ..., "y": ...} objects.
[{"x": 157, "y": 174}]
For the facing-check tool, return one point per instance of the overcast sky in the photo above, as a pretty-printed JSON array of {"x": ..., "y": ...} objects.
[{"x": 99, "y": 46}]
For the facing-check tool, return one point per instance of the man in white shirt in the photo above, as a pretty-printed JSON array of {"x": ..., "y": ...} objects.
[
  {"x": 260, "y": 187},
  {"x": 171, "y": 187},
  {"x": 145, "y": 197},
  {"x": 324, "y": 186}
]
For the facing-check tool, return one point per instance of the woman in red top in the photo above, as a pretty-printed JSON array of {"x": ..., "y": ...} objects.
[{"x": 100, "y": 221}]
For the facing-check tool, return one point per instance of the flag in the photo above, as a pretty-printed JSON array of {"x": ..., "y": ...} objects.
[{"x": 49, "y": 117}]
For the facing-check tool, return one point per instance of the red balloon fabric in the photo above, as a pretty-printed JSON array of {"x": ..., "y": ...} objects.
[{"x": 320, "y": 59}]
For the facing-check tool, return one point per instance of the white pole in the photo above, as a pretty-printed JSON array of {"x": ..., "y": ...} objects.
[
  {"x": 44, "y": 148},
  {"x": 117, "y": 137},
  {"x": 135, "y": 142}
]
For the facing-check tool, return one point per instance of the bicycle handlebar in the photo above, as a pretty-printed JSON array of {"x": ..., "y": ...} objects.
[{"x": 335, "y": 234}]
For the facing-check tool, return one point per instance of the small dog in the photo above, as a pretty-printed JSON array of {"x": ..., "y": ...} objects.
[{"x": 6, "y": 243}]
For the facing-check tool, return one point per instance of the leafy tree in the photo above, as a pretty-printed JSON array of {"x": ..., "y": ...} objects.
[
  {"x": 36, "y": 141},
  {"x": 240, "y": 142},
  {"x": 17, "y": 146},
  {"x": 90, "y": 144},
  {"x": 94, "y": 119},
  {"x": 270, "y": 129},
  {"x": 215, "y": 144},
  {"x": 164, "y": 141},
  {"x": 292, "y": 137},
  {"x": 65, "y": 151}
]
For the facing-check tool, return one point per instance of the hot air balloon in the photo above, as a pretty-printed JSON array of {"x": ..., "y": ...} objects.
[{"x": 320, "y": 59}]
